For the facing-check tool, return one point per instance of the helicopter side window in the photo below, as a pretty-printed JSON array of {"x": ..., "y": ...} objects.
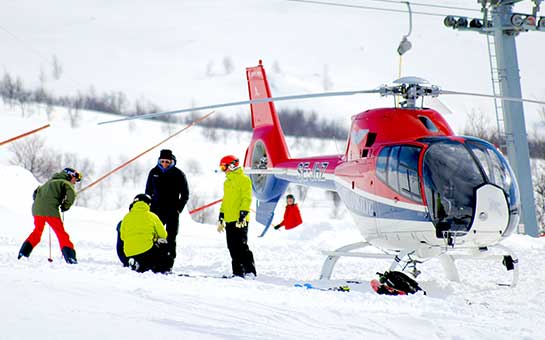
[
  {"x": 393, "y": 161},
  {"x": 382, "y": 161},
  {"x": 397, "y": 166},
  {"x": 409, "y": 183}
]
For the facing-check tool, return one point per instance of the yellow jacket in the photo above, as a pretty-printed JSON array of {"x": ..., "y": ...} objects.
[
  {"x": 237, "y": 195},
  {"x": 140, "y": 229}
]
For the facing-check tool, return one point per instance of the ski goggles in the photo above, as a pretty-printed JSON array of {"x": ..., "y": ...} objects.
[{"x": 74, "y": 173}]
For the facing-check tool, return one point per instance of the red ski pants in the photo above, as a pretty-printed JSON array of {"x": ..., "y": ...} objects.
[{"x": 57, "y": 226}]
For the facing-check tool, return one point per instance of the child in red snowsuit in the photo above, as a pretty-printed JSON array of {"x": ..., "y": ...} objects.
[{"x": 292, "y": 216}]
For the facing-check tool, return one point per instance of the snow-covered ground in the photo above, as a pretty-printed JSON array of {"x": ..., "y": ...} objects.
[{"x": 99, "y": 299}]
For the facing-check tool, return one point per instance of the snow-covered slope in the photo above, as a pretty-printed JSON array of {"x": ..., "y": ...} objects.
[
  {"x": 99, "y": 299},
  {"x": 174, "y": 52}
]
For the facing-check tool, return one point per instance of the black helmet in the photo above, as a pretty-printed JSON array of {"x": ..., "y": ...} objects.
[
  {"x": 74, "y": 173},
  {"x": 142, "y": 198}
]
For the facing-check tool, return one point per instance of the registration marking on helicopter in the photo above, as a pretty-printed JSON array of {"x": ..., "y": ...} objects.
[{"x": 314, "y": 173}]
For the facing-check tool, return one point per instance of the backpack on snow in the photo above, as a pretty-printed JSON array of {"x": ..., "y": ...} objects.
[{"x": 397, "y": 283}]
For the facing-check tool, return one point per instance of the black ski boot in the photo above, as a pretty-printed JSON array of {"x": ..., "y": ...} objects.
[
  {"x": 25, "y": 251},
  {"x": 69, "y": 255}
]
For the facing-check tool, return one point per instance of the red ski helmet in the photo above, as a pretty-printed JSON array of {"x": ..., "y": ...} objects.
[{"x": 229, "y": 163}]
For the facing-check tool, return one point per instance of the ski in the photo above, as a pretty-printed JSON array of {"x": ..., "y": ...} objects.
[
  {"x": 308, "y": 285},
  {"x": 202, "y": 276}
]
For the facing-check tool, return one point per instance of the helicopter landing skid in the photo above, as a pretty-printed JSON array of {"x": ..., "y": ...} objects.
[
  {"x": 346, "y": 251},
  {"x": 507, "y": 258},
  {"x": 407, "y": 263}
]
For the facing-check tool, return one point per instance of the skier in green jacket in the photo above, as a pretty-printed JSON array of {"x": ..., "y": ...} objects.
[
  {"x": 234, "y": 217},
  {"x": 56, "y": 193}
]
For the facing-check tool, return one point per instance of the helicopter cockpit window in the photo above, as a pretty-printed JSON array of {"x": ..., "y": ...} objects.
[
  {"x": 450, "y": 177},
  {"x": 397, "y": 166},
  {"x": 495, "y": 167}
]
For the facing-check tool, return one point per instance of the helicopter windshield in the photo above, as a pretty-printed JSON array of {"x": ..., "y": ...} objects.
[
  {"x": 452, "y": 173},
  {"x": 499, "y": 173},
  {"x": 451, "y": 176}
]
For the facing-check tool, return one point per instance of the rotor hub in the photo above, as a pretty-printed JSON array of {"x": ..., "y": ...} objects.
[{"x": 410, "y": 89}]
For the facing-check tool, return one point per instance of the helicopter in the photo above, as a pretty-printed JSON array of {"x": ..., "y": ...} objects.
[{"x": 415, "y": 190}]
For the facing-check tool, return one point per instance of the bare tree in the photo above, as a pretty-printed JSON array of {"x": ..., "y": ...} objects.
[
  {"x": 336, "y": 211},
  {"x": 56, "y": 68},
  {"x": 32, "y": 154},
  {"x": 210, "y": 69},
  {"x": 74, "y": 115},
  {"x": 327, "y": 83},
  {"x": 538, "y": 177},
  {"x": 228, "y": 65},
  {"x": 203, "y": 216}
]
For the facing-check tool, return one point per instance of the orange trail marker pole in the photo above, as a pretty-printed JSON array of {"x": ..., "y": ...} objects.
[
  {"x": 101, "y": 178},
  {"x": 24, "y": 134}
]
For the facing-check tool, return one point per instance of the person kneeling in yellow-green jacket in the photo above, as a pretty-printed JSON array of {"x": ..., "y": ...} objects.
[{"x": 144, "y": 238}]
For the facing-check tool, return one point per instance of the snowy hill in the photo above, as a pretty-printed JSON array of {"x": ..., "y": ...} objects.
[{"x": 183, "y": 53}]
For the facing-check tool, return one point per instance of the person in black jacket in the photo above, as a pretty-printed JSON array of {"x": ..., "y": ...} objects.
[{"x": 169, "y": 193}]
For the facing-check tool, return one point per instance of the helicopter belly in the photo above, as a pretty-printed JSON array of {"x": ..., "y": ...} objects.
[{"x": 388, "y": 223}]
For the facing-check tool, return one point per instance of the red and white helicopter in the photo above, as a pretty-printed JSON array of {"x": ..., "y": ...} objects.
[{"x": 415, "y": 190}]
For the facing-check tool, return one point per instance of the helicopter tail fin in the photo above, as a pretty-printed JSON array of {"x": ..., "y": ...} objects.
[
  {"x": 265, "y": 122},
  {"x": 267, "y": 149}
]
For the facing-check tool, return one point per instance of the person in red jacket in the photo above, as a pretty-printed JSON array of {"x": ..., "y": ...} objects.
[{"x": 292, "y": 216}]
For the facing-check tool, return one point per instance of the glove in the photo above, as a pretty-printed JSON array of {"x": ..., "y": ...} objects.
[
  {"x": 278, "y": 226},
  {"x": 241, "y": 223},
  {"x": 221, "y": 223},
  {"x": 162, "y": 241}
]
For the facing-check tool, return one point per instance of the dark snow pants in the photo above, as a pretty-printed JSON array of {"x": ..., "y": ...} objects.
[
  {"x": 242, "y": 259},
  {"x": 171, "y": 220},
  {"x": 156, "y": 259},
  {"x": 119, "y": 247}
]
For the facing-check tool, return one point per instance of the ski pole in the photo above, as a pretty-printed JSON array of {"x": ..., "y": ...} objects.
[{"x": 50, "y": 259}]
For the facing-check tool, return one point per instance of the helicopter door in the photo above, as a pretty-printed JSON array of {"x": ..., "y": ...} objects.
[{"x": 397, "y": 166}]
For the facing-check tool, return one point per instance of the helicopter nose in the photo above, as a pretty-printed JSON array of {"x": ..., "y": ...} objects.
[{"x": 491, "y": 214}]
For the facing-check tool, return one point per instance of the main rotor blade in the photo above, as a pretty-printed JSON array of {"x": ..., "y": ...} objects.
[
  {"x": 244, "y": 102},
  {"x": 513, "y": 99}
]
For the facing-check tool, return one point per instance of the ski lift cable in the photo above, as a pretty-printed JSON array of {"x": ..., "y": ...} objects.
[
  {"x": 383, "y": 9},
  {"x": 36, "y": 52},
  {"x": 421, "y": 4}
]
